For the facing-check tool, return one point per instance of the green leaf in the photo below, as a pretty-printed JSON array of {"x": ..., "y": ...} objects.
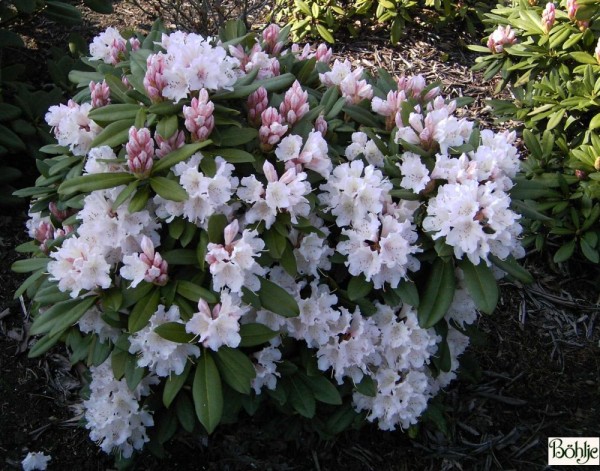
[
  {"x": 594, "y": 122},
  {"x": 207, "y": 393},
  {"x": 236, "y": 368},
  {"x": 275, "y": 243},
  {"x": 194, "y": 292},
  {"x": 234, "y": 156},
  {"x": 254, "y": 334},
  {"x": 323, "y": 389},
  {"x": 358, "y": 288},
  {"x": 408, "y": 293},
  {"x": 583, "y": 57},
  {"x": 168, "y": 189},
  {"x": 184, "y": 408},
  {"x": 180, "y": 257},
  {"x": 114, "y": 134},
  {"x": 367, "y": 386},
  {"x": 143, "y": 311},
  {"x": 133, "y": 373},
  {"x": 62, "y": 13},
  {"x": 30, "y": 281},
  {"x": 324, "y": 33},
  {"x": 512, "y": 268},
  {"x": 276, "y": 299},
  {"x": 29, "y": 265},
  {"x": 481, "y": 285},
  {"x": 438, "y": 294},
  {"x": 361, "y": 116},
  {"x": 139, "y": 199},
  {"x": 43, "y": 345},
  {"x": 174, "y": 332},
  {"x": 118, "y": 362},
  {"x": 301, "y": 397},
  {"x": 234, "y": 137},
  {"x": 89, "y": 183},
  {"x": 167, "y": 126},
  {"x": 10, "y": 39},
  {"x": 111, "y": 113},
  {"x": 216, "y": 226},
  {"x": 10, "y": 140},
  {"x": 46, "y": 321},
  {"x": 100, "y": 6},
  {"x": 565, "y": 252},
  {"x": 178, "y": 155}
]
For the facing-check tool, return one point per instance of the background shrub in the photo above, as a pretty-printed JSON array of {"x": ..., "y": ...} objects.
[{"x": 24, "y": 99}]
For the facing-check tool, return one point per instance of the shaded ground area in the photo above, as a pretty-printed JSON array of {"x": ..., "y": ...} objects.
[{"x": 532, "y": 373}]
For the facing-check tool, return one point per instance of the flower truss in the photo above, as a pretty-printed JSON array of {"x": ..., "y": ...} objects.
[{"x": 221, "y": 217}]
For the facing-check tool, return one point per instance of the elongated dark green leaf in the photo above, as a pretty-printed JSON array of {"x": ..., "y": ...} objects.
[
  {"x": 358, "y": 288},
  {"x": 167, "y": 126},
  {"x": 178, "y": 155},
  {"x": 207, "y": 393},
  {"x": 174, "y": 384},
  {"x": 323, "y": 389},
  {"x": 565, "y": 252},
  {"x": 184, "y": 408},
  {"x": 408, "y": 292},
  {"x": 512, "y": 267},
  {"x": 62, "y": 12},
  {"x": 89, "y": 183},
  {"x": 174, "y": 331},
  {"x": 194, "y": 292},
  {"x": 276, "y": 299},
  {"x": 438, "y": 294},
  {"x": 301, "y": 398},
  {"x": 30, "y": 281},
  {"x": 69, "y": 318},
  {"x": 236, "y": 368},
  {"x": 216, "y": 226},
  {"x": 111, "y": 113},
  {"x": 29, "y": 265},
  {"x": 43, "y": 345},
  {"x": 10, "y": 140},
  {"x": 273, "y": 84},
  {"x": 255, "y": 334},
  {"x": 168, "y": 189},
  {"x": 118, "y": 91},
  {"x": 143, "y": 311},
  {"x": 46, "y": 321},
  {"x": 367, "y": 386},
  {"x": 114, "y": 134},
  {"x": 139, "y": 199},
  {"x": 481, "y": 285},
  {"x": 233, "y": 137},
  {"x": 133, "y": 295},
  {"x": 180, "y": 257},
  {"x": 362, "y": 116}
]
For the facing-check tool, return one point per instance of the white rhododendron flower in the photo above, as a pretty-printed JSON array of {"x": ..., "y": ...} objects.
[{"x": 35, "y": 460}]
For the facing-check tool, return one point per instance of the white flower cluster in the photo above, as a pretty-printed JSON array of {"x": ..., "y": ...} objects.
[
  {"x": 191, "y": 63},
  {"x": 72, "y": 127},
  {"x": 113, "y": 413}
]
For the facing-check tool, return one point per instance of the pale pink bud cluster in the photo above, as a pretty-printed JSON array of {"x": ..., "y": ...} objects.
[
  {"x": 272, "y": 129},
  {"x": 324, "y": 53},
  {"x": 548, "y": 17},
  {"x": 100, "y": 94},
  {"x": 295, "y": 104},
  {"x": 258, "y": 101},
  {"x": 166, "y": 146},
  {"x": 199, "y": 119},
  {"x": 117, "y": 50},
  {"x": 301, "y": 54},
  {"x": 389, "y": 107},
  {"x": 321, "y": 125},
  {"x": 154, "y": 80},
  {"x": 572, "y": 7},
  {"x": 135, "y": 44},
  {"x": 354, "y": 89},
  {"x": 501, "y": 37},
  {"x": 270, "y": 38},
  {"x": 59, "y": 214},
  {"x": 46, "y": 233},
  {"x": 140, "y": 151},
  {"x": 156, "y": 271}
]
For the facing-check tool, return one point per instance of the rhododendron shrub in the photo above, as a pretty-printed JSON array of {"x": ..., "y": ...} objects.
[{"x": 224, "y": 225}]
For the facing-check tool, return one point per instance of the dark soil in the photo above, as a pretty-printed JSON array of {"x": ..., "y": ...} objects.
[{"x": 534, "y": 372}]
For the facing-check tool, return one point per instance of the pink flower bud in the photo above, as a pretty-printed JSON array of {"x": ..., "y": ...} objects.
[
  {"x": 583, "y": 25},
  {"x": 270, "y": 37},
  {"x": 548, "y": 17},
  {"x": 501, "y": 37},
  {"x": 60, "y": 215},
  {"x": 572, "y": 7},
  {"x": 581, "y": 175},
  {"x": 166, "y": 146},
  {"x": 231, "y": 230},
  {"x": 323, "y": 53},
  {"x": 100, "y": 94},
  {"x": 199, "y": 118},
  {"x": 156, "y": 271},
  {"x": 270, "y": 172},
  {"x": 321, "y": 125},
  {"x": 301, "y": 54},
  {"x": 125, "y": 82},
  {"x": 140, "y": 151},
  {"x": 258, "y": 102},
  {"x": 135, "y": 44},
  {"x": 271, "y": 130},
  {"x": 295, "y": 104},
  {"x": 44, "y": 232},
  {"x": 154, "y": 80},
  {"x": 117, "y": 50}
]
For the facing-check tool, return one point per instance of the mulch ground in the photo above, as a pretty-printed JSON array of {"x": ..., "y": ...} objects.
[{"x": 532, "y": 372}]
